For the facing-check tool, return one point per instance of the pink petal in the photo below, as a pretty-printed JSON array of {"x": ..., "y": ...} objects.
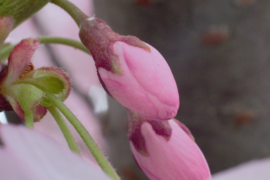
[
  {"x": 253, "y": 170},
  {"x": 29, "y": 155},
  {"x": 20, "y": 59},
  {"x": 176, "y": 158},
  {"x": 147, "y": 86}
]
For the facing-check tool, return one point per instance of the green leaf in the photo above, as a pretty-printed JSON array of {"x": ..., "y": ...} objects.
[
  {"x": 20, "y": 10},
  {"x": 45, "y": 83}
]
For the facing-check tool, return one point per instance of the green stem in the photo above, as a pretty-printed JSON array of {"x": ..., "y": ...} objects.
[
  {"x": 4, "y": 53},
  {"x": 72, "y": 10},
  {"x": 64, "y": 41},
  {"x": 29, "y": 119},
  {"x": 64, "y": 128},
  {"x": 89, "y": 141}
]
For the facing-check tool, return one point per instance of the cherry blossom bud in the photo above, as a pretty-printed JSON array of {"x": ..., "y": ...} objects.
[
  {"x": 131, "y": 71},
  {"x": 166, "y": 150}
]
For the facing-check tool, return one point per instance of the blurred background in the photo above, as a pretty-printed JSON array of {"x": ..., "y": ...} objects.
[{"x": 218, "y": 51}]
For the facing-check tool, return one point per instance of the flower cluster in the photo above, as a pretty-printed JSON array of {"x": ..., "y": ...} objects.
[
  {"x": 131, "y": 71},
  {"x": 136, "y": 75},
  {"x": 23, "y": 88}
]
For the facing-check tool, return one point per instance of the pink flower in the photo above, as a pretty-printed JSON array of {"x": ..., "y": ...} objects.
[
  {"x": 28, "y": 155},
  {"x": 131, "y": 71},
  {"x": 257, "y": 169},
  {"x": 22, "y": 88},
  {"x": 165, "y": 150}
]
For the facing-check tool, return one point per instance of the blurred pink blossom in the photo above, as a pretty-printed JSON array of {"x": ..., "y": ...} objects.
[
  {"x": 166, "y": 150},
  {"x": 253, "y": 170},
  {"x": 132, "y": 72},
  {"x": 6, "y": 25},
  {"x": 28, "y": 155}
]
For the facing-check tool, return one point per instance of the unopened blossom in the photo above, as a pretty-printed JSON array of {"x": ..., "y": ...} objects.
[
  {"x": 22, "y": 88},
  {"x": 131, "y": 71},
  {"x": 29, "y": 155},
  {"x": 165, "y": 150}
]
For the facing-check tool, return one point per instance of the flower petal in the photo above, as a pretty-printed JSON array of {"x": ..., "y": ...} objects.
[
  {"x": 253, "y": 170},
  {"x": 20, "y": 59},
  {"x": 147, "y": 85},
  {"x": 29, "y": 155},
  {"x": 176, "y": 158}
]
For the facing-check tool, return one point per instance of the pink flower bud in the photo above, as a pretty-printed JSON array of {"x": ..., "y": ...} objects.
[
  {"x": 131, "y": 71},
  {"x": 166, "y": 150}
]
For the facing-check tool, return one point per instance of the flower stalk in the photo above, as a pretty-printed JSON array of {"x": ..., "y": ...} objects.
[
  {"x": 4, "y": 53},
  {"x": 72, "y": 10},
  {"x": 65, "y": 130},
  {"x": 65, "y": 41},
  {"x": 29, "y": 119},
  {"x": 88, "y": 140}
]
